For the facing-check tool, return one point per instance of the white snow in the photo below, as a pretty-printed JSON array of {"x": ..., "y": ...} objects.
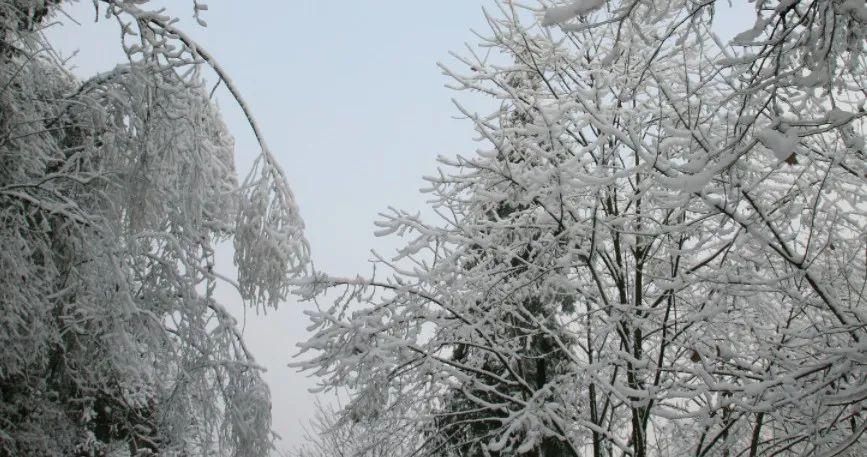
[
  {"x": 747, "y": 37},
  {"x": 561, "y": 14},
  {"x": 838, "y": 116},
  {"x": 782, "y": 145}
]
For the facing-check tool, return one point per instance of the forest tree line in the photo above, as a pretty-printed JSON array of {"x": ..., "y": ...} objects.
[{"x": 658, "y": 249}]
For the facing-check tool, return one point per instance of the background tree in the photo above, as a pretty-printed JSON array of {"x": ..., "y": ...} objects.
[
  {"x": 331, "y": 435},
  {"x": 113, "y": 194},
  {"x": 700, "y": 203},
  {"x": 462, "y": 425}
]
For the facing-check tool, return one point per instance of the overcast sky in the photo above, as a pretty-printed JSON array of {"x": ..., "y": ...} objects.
[{"x": 350, "y": 100}]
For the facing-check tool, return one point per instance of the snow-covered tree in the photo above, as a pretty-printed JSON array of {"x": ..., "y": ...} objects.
[
  {"x": 672, "y": 226},
  {"x": 114, "y": 192}
]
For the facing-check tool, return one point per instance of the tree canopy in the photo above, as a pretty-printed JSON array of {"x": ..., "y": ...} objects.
[
  {"x": 659, "y": 248},
  {"x": 114, "y": 192}
]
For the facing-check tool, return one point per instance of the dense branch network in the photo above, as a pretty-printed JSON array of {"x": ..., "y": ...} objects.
[{"x": 658, "y": 250}]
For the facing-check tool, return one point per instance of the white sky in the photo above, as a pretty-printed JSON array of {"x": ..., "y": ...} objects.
[{"x": 349, "y": 98}]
